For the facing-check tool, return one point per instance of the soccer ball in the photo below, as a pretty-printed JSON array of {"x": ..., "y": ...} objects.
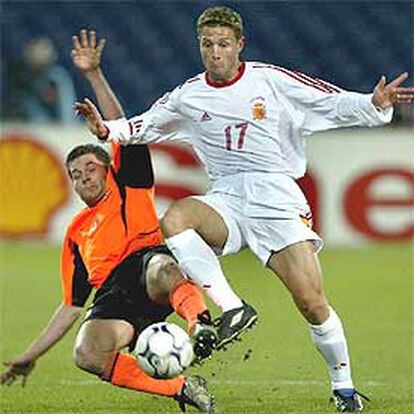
[{"x": 163, "y": 350}]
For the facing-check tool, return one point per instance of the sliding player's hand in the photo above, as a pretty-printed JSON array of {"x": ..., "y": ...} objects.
[
  {"x": 18, "y": 368},
  {"x": 93, "y": 118},
  {"x": 387, "y": 95},
  {"x": 87, "y": 51}
]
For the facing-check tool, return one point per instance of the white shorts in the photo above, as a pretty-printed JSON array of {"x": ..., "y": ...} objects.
[{"x": 265, "y": 212}]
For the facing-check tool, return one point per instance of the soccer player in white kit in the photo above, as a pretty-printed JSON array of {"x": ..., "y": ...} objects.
[{"x": 249, "y": 122}]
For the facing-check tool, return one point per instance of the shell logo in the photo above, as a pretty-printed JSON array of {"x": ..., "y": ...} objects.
[{"x": 33, "y": 186}]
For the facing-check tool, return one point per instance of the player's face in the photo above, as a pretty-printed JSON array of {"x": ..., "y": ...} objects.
[
  {"x": 89, "y": 178},
  {"x": 220, "y": 51}
]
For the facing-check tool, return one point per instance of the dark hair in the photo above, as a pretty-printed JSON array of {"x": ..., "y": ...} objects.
[
  {"x": 221, "y": 16},
  {"x": 80, "y": 150}
]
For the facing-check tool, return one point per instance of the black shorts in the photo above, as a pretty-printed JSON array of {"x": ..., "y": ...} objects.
[{"x": 124, "y": 294}]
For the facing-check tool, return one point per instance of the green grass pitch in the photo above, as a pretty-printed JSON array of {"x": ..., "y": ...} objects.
[{"x": 371, "y": 288}]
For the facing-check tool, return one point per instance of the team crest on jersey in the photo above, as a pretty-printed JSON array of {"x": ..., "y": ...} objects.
[{"x": 259, "y": 108}]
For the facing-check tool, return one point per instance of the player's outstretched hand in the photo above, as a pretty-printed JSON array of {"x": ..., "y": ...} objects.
[
  {"x": 387, "y": 95},
  {"x": 18, "y": 367},
  {"x": 86, "y": 52},
  {"x": 92, "y": 116}
]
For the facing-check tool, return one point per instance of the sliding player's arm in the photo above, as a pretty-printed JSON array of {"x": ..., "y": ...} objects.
[
  {"x": 76, "y": 290},
  {"x": 22, "y": 365},
  {"x": 86, "y": 57}
]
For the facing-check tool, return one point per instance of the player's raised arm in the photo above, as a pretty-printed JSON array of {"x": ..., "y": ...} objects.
[
  {"x": 86, "y": 56},
  {"x": 385, "y": 95},
  {"x": 319, "y": 106},
  {"x": 22, "y": 365}
]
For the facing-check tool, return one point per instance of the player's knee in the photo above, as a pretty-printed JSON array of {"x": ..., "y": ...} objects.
[
  {"x": 86, "y": 360},
  {"x": 162, "y": 274},
  {"x": 168, "y": 273},
  {"x": 313, "y": 307},
  {"x": 176, "y": 220}
]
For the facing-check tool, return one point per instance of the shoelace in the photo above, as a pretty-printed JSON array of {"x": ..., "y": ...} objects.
[{"x": 363, "y": 396}]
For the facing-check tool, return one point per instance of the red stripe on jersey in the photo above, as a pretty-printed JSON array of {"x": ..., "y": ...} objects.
[
  {"x": 319, "y": 82},
  {"x": 334, "y": 87},
  {"x": 312, "y": 83},
  {"x": 305, "y": 79}
]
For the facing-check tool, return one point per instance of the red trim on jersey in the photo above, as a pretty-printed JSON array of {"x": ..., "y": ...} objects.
[
  {"x": 233, "y": 80},
  {"x": 305, "y": 79},
  {"x": 318, "y": 82},
  {"x": 313, "y": 83}
]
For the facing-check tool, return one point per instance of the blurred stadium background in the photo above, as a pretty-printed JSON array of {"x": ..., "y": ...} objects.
[
  {"x": 152, "y": 44},
  {"x": 360, "y": 184}
]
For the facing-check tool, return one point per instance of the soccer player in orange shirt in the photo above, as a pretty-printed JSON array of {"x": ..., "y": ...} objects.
[{"x": 115, "y": 245}]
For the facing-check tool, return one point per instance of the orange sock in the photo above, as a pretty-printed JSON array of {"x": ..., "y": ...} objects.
[
  {"x": 122, "y": 370},
  {"x": 187, "y": 301}
]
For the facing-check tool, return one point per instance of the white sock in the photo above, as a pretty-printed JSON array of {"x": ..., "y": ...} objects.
[
  {"x": 200, "y": 263},
  {"x": 329, "y": 339}
]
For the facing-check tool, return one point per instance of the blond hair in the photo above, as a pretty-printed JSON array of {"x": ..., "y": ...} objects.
[{"x": 221, "y": 16}]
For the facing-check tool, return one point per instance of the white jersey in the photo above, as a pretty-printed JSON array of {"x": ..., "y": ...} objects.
[{"x": 258, "y": 122}]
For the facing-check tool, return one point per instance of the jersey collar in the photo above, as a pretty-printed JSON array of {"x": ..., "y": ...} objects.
[{"x": 231, "y": 81}]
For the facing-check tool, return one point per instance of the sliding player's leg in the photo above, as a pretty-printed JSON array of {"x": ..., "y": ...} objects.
[
  {"x": 97, "y": 351},
  {"x": 166, "y": 285}
]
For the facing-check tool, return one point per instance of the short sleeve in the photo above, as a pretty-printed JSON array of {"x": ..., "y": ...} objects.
[{"x": 75, "y": 285}]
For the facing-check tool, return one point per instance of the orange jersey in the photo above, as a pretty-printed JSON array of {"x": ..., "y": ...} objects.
[{"x": 124, "y": 221}]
